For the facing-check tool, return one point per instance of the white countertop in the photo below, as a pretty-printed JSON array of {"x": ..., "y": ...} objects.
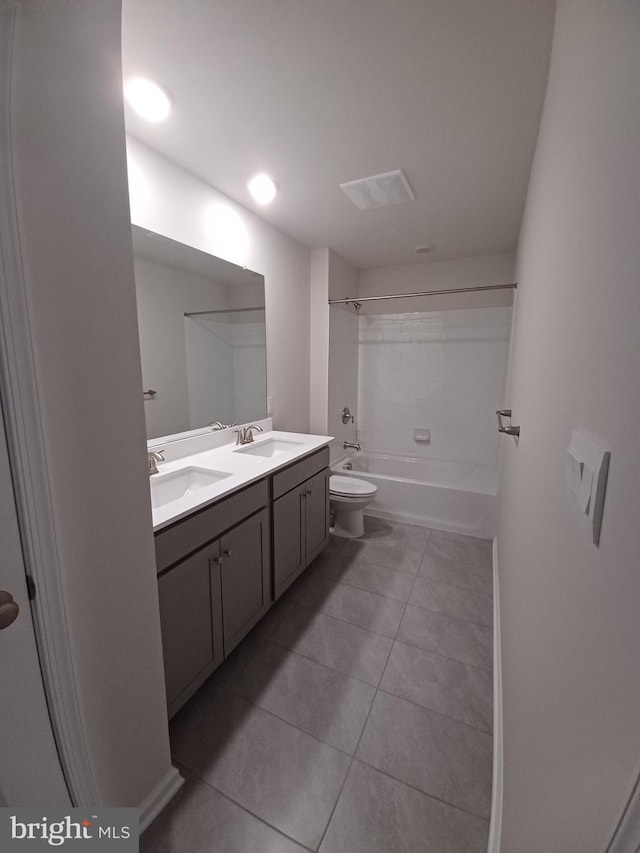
[{"x": 242, "y": 467}]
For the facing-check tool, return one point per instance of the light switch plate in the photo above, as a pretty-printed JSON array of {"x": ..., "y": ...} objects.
[{"x": 586, "y": 470}]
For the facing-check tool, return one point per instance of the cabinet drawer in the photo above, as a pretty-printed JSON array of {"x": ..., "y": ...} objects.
[
  {"x": 188, "y": 534},
  {"x": 289, "y": 478}
]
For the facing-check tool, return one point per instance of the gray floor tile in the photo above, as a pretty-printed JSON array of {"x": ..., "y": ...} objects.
[
  {"x": 435, "y": 754},
  {"x": 392, "y": 554},
  {"x": 269, "y": 622},
  {"x": 326, "y": 572},
  {"x": 460, "y": 691},
  {"x": 279, "y": 773},
  {"x": 219, "y": 682},
  {"x": 364, "y": 574},
  {"x": 377, "y": 814},
  {"x": 201, "y": 820},
  {"x": 217, "y": 685},
  {"x": 344, "y": 647},
  {"x": 326, "y": 703},
  {"x": 338, "y": 552},
  {"x": 273, "y": 729},
  {"x": 462, "y": 549},
  {"x": 466, "y": 604},
  {"x": 385, "y": 530},
  {"x": 454, "y": 638},
  {"x": 475, "y": 577},
  {"x": 357, "y": 606},
  {"x": 394, "y": 546},
  {"x": 293, "y": 593}
]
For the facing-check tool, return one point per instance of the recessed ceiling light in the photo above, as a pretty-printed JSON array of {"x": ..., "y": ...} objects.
[
  {"x": 147, "y": 98},
  {"x": 262, "y": 188}
]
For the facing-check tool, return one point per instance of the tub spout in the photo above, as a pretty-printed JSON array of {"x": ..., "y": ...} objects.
[{"x": 348, "y": 444}]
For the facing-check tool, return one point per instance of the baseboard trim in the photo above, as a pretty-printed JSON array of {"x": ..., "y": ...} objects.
[
  {"x": 159, "y": 797},
  {"x": 495, "y": 826}
]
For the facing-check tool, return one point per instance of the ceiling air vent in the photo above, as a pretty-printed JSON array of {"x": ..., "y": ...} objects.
[{"x": 379, "y": 190}]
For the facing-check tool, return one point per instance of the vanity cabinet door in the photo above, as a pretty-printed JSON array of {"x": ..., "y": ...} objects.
[
  {"x": 190, "y": 616},
  {"x": 316, "y": 514},
  {"x": 245, "y": 571},
  {"x": 289, "y": 557}
]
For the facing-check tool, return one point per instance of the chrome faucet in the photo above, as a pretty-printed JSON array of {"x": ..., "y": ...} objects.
[
  {"x": 245, "y": 436},
  {"x": 348, "y": 444},
  {"x": 152, "y": 460},
  {"x": 217, "y": 425}
]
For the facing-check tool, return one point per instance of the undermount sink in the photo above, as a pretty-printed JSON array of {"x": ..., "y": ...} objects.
[
  {"x": 175, "y": 485},
  {"x": 269, "y": 447}
]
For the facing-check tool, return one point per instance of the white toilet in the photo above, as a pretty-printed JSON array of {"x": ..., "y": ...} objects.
[{"x": 349, "y": 496}]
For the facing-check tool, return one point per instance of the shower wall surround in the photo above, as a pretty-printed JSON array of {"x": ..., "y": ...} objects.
[{"x": 438, "y": 370}]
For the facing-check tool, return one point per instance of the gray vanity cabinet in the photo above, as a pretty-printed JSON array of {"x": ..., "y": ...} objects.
[
  {"x": 245, "y": 569},
  {"x": 191, "y": 619},
  {"x": 214, "y": 585},
  {"x": 300, "y": 517},
  {"x": 316, "y": 514},
  {"x": 215, "y": 567},
  {"x": 289, "y": 557}
]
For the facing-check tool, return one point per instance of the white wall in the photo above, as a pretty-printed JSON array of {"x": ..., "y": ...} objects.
[
  {"x": 569, "y": 610},
  {"x": 343, "y": 354},
  {"x": 170, "y": 201},
  {"x": 70, "y": 172},
  {"x": 480, "y": 270},
  {"x": 319, "y": 341},
  {"x": 442, "y": 371},
  {"x": 334, "y": 348}
]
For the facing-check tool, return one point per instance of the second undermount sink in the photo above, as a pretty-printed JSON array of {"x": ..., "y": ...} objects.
[
  {"x": 175, "y": 485},
  {"x": 269, "y": 447}
]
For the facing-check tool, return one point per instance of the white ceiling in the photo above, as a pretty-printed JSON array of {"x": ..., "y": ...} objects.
[{"x": 320, "y": 92}]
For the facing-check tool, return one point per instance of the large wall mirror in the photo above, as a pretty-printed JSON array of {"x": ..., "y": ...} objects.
[{"x": 202, "y": 337}]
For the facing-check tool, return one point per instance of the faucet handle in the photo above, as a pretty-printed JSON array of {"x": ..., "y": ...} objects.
[
  {"x": 248, "y": 432},
  {"x": 153, "y": 457},
  {"x": 241, "y": 437}
]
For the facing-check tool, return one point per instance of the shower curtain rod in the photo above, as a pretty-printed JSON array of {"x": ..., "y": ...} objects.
[
  {"x": 222, "y": 311},
  {"x": 357, "y": 300}
]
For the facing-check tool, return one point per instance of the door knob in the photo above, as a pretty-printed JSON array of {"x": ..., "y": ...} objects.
[{"x": 8, "y": 609}]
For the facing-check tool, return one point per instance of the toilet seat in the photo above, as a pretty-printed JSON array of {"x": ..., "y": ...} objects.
[{"x": 350, "y": 487}]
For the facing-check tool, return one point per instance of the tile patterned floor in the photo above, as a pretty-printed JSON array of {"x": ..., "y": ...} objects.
[{"x": 356, "y": 717}]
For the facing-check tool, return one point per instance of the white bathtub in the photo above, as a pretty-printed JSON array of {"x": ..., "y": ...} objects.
[{"x": 455, "y": 496}]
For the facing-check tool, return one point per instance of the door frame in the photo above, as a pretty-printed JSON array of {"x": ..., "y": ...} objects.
[{"x": 28, "y": 459}]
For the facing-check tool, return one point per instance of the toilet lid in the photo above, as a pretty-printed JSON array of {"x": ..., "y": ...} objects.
[{"x": 350, "y": 486}]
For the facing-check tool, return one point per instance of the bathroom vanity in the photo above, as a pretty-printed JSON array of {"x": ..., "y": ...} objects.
[
  {"x": 235, "y": 523},
  {"x": 229, "y": 546}
]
